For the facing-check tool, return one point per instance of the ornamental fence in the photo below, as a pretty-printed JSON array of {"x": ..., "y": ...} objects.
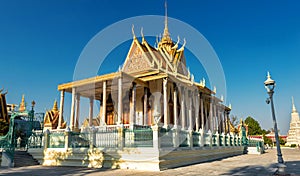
[
  {"x": 120, "y": 137},
  {"x": 256, "y": 143}
]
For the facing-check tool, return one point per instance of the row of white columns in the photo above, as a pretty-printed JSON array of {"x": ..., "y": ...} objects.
[
  {"x": 75, "y": 106},
  {"x": 216, "y": 120},
  {"x": 215, "y": 115}
]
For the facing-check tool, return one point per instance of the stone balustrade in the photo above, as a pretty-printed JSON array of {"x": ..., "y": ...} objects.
[{"x": 120, "y": 137}]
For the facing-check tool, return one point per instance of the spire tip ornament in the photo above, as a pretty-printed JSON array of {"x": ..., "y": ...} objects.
[
  {"x": 132, "y": 30},
  {"x": 22, "y": 107},
  {"x": 293, "y": 104},
  {"x": 55, "y": 108},
  {"x": 142, "y": 34}
]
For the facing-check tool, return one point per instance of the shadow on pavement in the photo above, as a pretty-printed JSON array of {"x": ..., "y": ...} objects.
[
  {"x": 292, "y": 169},
  {"x": 53, "y": 171}
]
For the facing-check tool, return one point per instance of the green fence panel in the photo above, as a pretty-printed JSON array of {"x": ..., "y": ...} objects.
[
  {"x": 139, "y": 137},
  {"x": 56, "y": 140},
  {"x": 107, "y": 138},
  {"x": 196, "y": 142},
  {"x": 183, "y": 138}
]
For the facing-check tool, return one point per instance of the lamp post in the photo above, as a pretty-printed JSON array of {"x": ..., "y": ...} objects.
[{"x": 270, "y": 85}]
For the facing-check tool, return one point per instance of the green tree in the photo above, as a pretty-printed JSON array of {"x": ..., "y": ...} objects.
[
  {"x": 267, "y": 140},
  {"x": 253, "y": 126},
  {"x": 281, "y": 141},
  {"x": 263, "y": 131}
]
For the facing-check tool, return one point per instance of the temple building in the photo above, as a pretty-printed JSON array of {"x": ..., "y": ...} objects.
[
  {"x": 153, "y": 115},
  {"x": 153, "y": 85},
  {"x": 294, "y": 131},
  {"x": 3, "y": 108}
]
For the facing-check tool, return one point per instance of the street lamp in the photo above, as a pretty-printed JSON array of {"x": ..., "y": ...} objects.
[{"x": 270, "y": 85}]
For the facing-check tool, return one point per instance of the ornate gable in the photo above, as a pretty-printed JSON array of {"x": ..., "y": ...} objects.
[{"x": 136, "y": 59}]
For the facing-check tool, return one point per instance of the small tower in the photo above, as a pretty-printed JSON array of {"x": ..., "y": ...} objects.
[
  {"x": 294, "y": 114},
  {"x": 22, "y": 107},
  {"x": 294, "y": 131},
  {"x": 55, "y": 109},
  {"x": 51, "y": 118}
]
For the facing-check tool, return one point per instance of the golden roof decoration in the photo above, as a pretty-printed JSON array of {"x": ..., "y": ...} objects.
[
  {"x": 22, "y": 107},
  {"x": 55, "y": 106}
]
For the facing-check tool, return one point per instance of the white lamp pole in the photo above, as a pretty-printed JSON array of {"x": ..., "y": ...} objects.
[{"x": 270, "y": 85}]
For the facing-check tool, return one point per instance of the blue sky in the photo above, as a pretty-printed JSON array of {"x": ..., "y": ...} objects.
[{"x": 40, "y": 42}]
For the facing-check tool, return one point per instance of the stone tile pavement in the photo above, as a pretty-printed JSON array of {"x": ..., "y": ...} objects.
[{"x": 264, "y": 164}]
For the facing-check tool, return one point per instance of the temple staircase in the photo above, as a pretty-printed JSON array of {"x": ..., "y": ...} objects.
[{"x": 22, "y": 158}]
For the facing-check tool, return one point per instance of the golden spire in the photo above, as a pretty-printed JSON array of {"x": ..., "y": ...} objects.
[
  {"x": 55, "y": 106},
  {"x": 22, "y": 104},
  {"x": 166, "y": 34}
]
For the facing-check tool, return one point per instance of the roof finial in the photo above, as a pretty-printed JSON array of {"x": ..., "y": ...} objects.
[
  {"x": 55, "y": 106},
  {"x": 166, "y": 15},
  {"x": 294, "y": 107},
  {"x": 22, "y": 104},
  {"x": 142, "y": 33},
  {"x": 132, "y": 29},
  {"x": 166, "y": 34}
]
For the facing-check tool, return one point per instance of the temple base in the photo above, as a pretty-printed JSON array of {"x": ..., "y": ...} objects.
[{"x": 137, "y": 158}]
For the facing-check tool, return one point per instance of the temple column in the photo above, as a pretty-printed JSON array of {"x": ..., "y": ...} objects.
[
  {"x": 72, "y": 115},
  {"x": 228, "y": 121},
  {"x": 61, "y": 108},
  {"x": 120, "y": 92},
  {"x": 224, "y": 121},
  {"x": 175, "y": 107},
  {"x": 77, "y": 110},
  {"x": 220, "y": 119},
  {"x": 183, "y": 108},
  {"x": 211, "y": 117},
  {"x": 91, "y": 111},
  {"x": 145, "y": 105},
  {"x": 206, "y": 117},
  {"x": 202, "y": 110},
  {"x": 133, "y": 105},
  {"x": 190, "y": 103},
  {"x": 197, "y": 110},
  {"x": 104, "y": 103},
  {"x": 215, "y": 118},
  {"x": 165, "y": 83}
]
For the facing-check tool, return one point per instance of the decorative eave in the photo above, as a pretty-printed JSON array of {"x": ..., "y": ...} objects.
[
  {"x": 227, "y": 108},
  {"x": 99, "y": 79},
  {"x": 218, "y": 100},
  {"x": 154, "y": 77},
  {"x": 70, "y": 85}
]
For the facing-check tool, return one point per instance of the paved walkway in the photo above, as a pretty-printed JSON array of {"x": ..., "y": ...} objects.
[{"x": 238, "y": 165}]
